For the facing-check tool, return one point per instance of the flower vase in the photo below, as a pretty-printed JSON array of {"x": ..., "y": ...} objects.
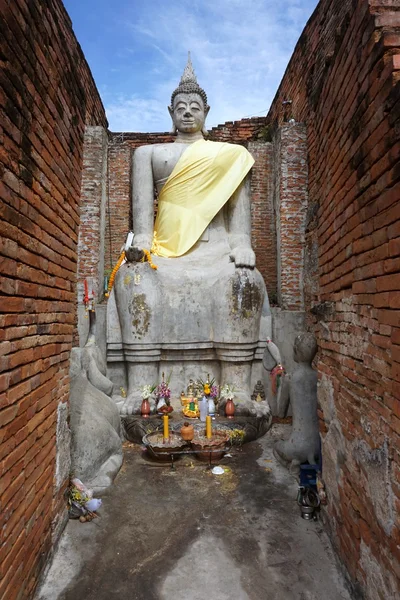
[
  {"x": 229, "y": 408},
  {"x": 145, "y": 408}
]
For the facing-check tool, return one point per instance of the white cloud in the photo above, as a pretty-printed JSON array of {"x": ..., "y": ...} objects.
[
  {"x": 239, "y": 51},
  {"x": 136, "y": 114}
]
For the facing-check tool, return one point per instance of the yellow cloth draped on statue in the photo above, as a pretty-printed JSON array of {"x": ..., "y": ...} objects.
[{"x": 203, "y": 180}]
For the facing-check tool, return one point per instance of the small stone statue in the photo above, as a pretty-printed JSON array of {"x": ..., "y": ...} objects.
[
  {"x": 190, "y": 389},
  {"x": 258, "y": 394},
  {"x": 304, "y": 442}
]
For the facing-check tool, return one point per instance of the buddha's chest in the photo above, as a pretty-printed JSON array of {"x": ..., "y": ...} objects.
[{"x": 165, "y": 158}]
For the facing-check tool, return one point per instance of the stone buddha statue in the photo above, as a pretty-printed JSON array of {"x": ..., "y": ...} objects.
[{"x": 203, "y": 307}]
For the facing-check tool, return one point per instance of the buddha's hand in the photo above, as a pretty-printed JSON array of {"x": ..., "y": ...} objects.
[
  {"x": 243, "y": 257},
  {"x": 134, "y": 254}
]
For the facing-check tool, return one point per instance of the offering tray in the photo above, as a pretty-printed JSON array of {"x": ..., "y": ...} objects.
[
  {"x": 211, "y": 450},
  {"x": 162, "y": 449}
]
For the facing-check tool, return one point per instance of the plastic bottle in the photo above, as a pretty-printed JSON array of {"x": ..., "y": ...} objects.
[
  {"x": 203, "y": 408},
  {"x": 211, "y": 407}
]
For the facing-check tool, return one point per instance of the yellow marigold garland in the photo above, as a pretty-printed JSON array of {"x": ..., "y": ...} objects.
[
  {"x": 147, "y": 256},
  {"x": 113, "y": 274}
]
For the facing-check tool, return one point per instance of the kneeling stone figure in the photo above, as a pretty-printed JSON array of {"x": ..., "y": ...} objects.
[{"x": 304, "y": 442}]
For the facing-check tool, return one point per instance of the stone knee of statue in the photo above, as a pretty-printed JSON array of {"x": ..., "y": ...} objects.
[
  {"x": 138, "y": 296},
  {"x": 239, "y": 300}
]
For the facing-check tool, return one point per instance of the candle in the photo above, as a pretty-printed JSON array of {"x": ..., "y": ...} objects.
[
  {"x": 208, "y": 427},
  {"x": 166, "y": 427}
]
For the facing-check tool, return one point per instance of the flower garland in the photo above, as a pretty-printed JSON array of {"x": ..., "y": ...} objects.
[
  {"x": 113, "y": 274},
  {"x": 147, "y": 256},
  {"x": 276, "y": 374}
]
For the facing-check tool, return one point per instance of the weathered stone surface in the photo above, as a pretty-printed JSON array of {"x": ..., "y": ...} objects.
[
  {"x": 96, "y": 448},
  {"x": 93, "y": 363},
  {"x": 248, "y": 132},
  {"x": 215, "y": 532},
  {"x": 63, "y": 440}
]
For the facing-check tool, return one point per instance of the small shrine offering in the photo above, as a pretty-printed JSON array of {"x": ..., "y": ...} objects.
[
  {"x": 189, "y": 402},
  {"x": 191, "y": 410},
  {"x": 210, "y": 394},
  {"x": 163, "y": 396}
]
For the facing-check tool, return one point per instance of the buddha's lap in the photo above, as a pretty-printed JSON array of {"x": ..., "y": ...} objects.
[{"x": 191, "y": 302}]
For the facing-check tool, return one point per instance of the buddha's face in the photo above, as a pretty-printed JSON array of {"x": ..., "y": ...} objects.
[{"x": 188, "y": 113}]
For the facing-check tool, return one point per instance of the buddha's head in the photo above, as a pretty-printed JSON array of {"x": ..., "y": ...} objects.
[{"x": 189, "y": 107}]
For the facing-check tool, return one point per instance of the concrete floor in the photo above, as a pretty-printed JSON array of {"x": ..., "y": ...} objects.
[{"x": 192, "y": 535}]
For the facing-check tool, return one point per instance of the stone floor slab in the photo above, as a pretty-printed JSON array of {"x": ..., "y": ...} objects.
[{"x": 192, "y": 535}]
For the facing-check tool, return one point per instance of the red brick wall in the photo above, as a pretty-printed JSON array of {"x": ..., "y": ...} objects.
[
  {"x": 291, "y": 197},
  {"x": 46, "y": 95},
  {"x": 247, "y": 132},
  {"x": 239, "y": 132},
  {"x": 118, "y": 210},
  {"x": 343, "y": 81},
  {"x": 92, "y": 214},
  {"x": 263, "y": 215}
]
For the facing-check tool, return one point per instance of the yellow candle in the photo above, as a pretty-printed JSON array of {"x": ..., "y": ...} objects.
[
  {"x": 208, "y": 427},
  {"x": 166, "y": 427}
]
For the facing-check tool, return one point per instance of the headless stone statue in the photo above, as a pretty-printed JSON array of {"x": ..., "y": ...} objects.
[
  {"x": 205, "y": 308},
  {"x": 304, "y": 442}
]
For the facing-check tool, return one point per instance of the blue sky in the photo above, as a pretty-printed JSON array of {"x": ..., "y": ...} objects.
[{"x": 137, "y": 50}]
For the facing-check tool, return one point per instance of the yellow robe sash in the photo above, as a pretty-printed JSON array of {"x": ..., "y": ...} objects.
[{"x": 203, "y": 180}]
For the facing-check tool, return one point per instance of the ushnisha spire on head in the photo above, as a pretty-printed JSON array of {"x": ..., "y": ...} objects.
[{"x": 188, "y": 84}]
